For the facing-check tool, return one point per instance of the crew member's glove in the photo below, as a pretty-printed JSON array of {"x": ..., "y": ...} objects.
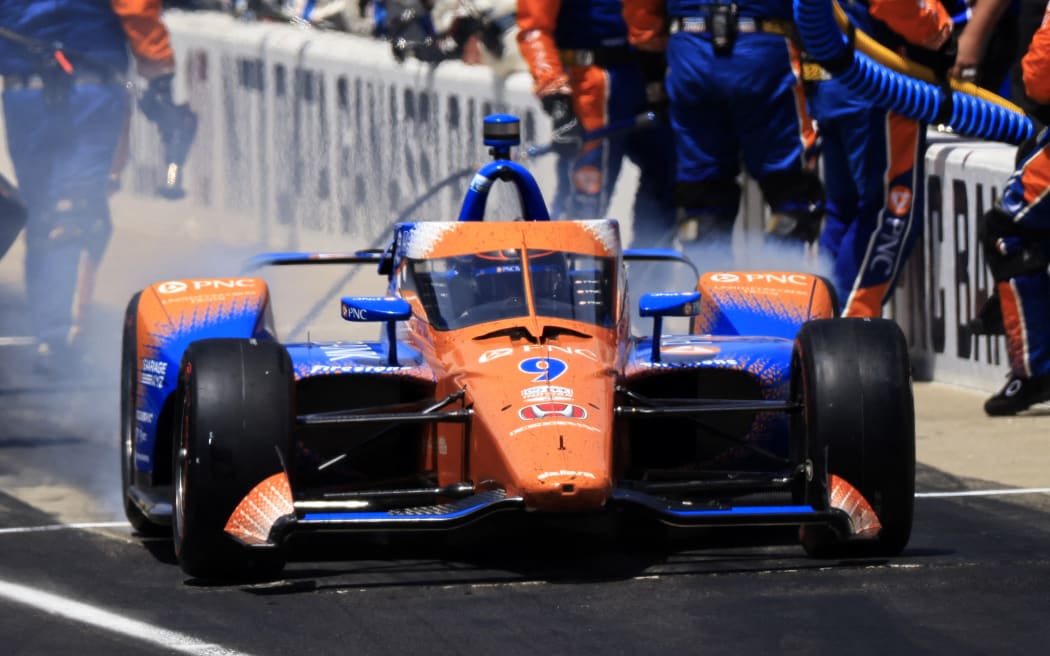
[
  {"x": 654, "y": 70},
  {"x": 491, "y": 36},
  {"x": 566, "y": 131},
  {"x": 431, "y": 50},
  {"x": 1010, "y": 250},
  {"x": 939, "y": 61},
  {"x": 157, "y": 102}
]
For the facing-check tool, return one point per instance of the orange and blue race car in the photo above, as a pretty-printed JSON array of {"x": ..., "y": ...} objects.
[{"x": 506, "y": 378}]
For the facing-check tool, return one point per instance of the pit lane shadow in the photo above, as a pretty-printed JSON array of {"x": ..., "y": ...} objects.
[
  {"x": 490, "y": 553},
  {"x": 158, "y": 546},
  {"x": 507, "y": 550},
  {"x": 496, "y": 553}
]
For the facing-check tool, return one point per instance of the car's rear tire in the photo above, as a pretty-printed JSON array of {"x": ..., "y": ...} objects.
[
  {"x": 128, "y": 391},
  {"x": 234, "y": 409},
  {"x": 852, "y": 378}
]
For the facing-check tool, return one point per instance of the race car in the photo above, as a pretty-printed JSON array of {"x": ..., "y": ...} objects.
[{"x": 506, "y": 378}]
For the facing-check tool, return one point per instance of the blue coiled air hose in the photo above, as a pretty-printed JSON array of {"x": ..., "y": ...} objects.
[{"x": 887, "y": 89}]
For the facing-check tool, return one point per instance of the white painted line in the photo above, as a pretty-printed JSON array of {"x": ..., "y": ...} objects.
[
  {"x": 984, "y": 493},
  {"x": 61, "y": 527},
  {"x": 109, "y": 621},
  {"x": 17, "y": 341}
]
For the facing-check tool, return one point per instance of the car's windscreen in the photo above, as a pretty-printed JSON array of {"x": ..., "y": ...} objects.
[{"x": 470, "y": 289}]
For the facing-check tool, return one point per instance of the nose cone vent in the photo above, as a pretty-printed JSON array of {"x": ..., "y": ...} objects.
[{"x": 568, "y": 491}]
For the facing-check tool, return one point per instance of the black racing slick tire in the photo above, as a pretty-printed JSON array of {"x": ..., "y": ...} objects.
[
  {"x": 128, "y": 392},
  {"x": 852, "y": 378},
  {"x": 234, "y": 411}
]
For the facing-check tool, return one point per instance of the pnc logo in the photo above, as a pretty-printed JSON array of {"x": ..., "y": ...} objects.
[
  {"x": 900, "y": 200},
  {"x": 725, "y": 277},
  {"x": 178, "y": 286},
  {"x": 588, "y": 179},
  {"x": 172, "y": 287}
]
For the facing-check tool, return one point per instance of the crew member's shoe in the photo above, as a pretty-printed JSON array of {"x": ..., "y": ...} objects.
[
  {"x": 44, "y": 359},
  {"x": 1018, "y": 395},
  {"x": 989, "y": 319}
]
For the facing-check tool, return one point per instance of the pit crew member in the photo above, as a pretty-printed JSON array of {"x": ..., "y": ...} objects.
[
  {"x": 1016, "y": 238},
  {"x": 873, "y": 159},
  {"x": 733, "y": 91},
  {"x": 65, "y": 105},
  {"x": 587, "y": 77}
]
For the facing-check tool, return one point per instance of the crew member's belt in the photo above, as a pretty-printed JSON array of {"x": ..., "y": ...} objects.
[
  {"x": 33, "y": 81},
  {"x": 597, "y": 57},
  {"x": 698, "y": 24},
  {"x": 814, "y": 72}
]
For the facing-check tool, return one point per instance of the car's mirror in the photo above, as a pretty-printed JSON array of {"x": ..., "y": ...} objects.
[
  {"x": 390, "y": 309},
  {"x": 375, "y": 308},
  {"x": 667, "y": 304}
]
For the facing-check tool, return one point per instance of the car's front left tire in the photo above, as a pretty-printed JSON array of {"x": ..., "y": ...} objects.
[
  {"x": 234, "y": 412},
  {"x": 128, "y": 391}
]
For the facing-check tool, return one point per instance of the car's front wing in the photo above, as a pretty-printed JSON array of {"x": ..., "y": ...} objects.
[{"x": 263, "y": 520}]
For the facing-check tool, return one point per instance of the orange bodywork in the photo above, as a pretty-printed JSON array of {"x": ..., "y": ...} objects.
[
  {"x": 543, "y": 422},
  {"x": 176, "y": 306},
  {"x": 792, "y": 297},
  {"x": 170, "y": 311}
]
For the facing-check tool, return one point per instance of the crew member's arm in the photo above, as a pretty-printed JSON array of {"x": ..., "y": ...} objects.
[
  {"x": 646, "y": 24},
  {"x": 536, "y": 22},
  {"x": 986, "y": 14},
  {"x": 1035, "y": 66},
  {"x": 147, "y": 36},
  {"x": 925, "y": 24}
]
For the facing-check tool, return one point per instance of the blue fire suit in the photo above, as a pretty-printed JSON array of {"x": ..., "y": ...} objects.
[
  {"x": 741, "y": 98},
  {"x": 873, "y": 165}
]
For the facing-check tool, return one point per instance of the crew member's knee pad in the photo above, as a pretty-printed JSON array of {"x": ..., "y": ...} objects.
[
  {"x": 720, "y": 196},
  {"x": 794, "y": 189},
  {"x": 83, "y": 221},
  {"x": 705, "y": 228},
  {"x": 1028, "y": 146},
  {"x": 708, "y": 209},
  {"x": 796, "y": 200},
  {"x": 1009, "y": 250},
  {"x": 12, "y": 214}
]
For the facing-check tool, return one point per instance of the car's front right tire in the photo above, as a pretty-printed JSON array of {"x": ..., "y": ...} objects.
[{"x": 852, "y": 379}]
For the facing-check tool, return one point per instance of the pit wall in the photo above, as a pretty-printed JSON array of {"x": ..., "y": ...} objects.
[{"x": 319, "y": 141}]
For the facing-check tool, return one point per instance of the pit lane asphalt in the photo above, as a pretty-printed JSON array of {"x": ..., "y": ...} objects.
[{"x": 974, "y": 579}]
